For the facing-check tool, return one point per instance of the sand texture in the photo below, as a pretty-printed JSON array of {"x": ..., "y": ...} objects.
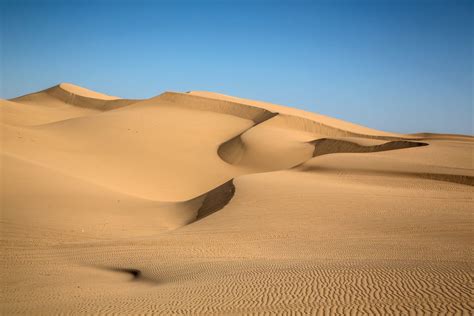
[{"x": 199, "y": 203}]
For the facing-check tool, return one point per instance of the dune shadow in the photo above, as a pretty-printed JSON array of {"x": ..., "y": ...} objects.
[
  {"x": 216, "y": 199},
  {"x": 327, "y": 146},
  {"x": 135, "y": 274}
]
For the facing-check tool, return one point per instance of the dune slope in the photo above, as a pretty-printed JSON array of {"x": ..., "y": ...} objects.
[{"x": 200, "y": 203}]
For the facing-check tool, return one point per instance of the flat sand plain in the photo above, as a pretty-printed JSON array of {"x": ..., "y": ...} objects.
[{"x": 201, "y": 203}]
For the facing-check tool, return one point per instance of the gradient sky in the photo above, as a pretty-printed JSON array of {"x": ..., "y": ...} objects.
[{"x": 403, "y": 66}]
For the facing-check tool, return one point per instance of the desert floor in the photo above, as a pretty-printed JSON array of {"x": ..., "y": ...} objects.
[{"x": 201, "y": 203}]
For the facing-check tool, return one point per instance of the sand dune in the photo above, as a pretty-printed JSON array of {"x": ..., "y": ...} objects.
[
  {"x": 201, "y": 203},
  {"x": 57, "y": 103},
  {"x": 72, "y": 95}
]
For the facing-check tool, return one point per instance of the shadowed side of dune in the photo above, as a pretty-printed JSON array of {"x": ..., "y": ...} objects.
[
  {"x": 326, "y": 146},
  {"x": 87, "y": 102},
  {"x": 216, "y": 199},
  {"x": 453, "y": 178},
  {"x": 317, "y": 127},
  {"x": 257, "y": 115}
]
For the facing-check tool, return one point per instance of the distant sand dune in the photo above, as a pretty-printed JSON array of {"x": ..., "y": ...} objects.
[
  {"x": 432, "y": 136},
  {"x": 200, "y": 203},
  {"x": 66, "y": 93}
]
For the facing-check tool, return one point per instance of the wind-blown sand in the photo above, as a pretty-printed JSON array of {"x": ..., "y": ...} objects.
[{"x": 200, "y": 203}]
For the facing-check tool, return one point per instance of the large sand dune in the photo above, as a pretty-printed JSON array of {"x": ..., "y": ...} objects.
[{"x": 201, "y": 203}]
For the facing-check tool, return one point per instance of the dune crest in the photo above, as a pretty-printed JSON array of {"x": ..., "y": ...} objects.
[
  {"x": 83, "y": 92},
  {"x": 205, "y": 204},
  {"x": 69, "y": 94}
]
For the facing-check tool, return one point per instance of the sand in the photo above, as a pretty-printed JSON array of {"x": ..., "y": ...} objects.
[{"x": 201, "y": 203}]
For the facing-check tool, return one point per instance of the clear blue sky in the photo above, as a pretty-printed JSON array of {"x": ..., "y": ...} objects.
[{"x": 404, "y": 66}]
